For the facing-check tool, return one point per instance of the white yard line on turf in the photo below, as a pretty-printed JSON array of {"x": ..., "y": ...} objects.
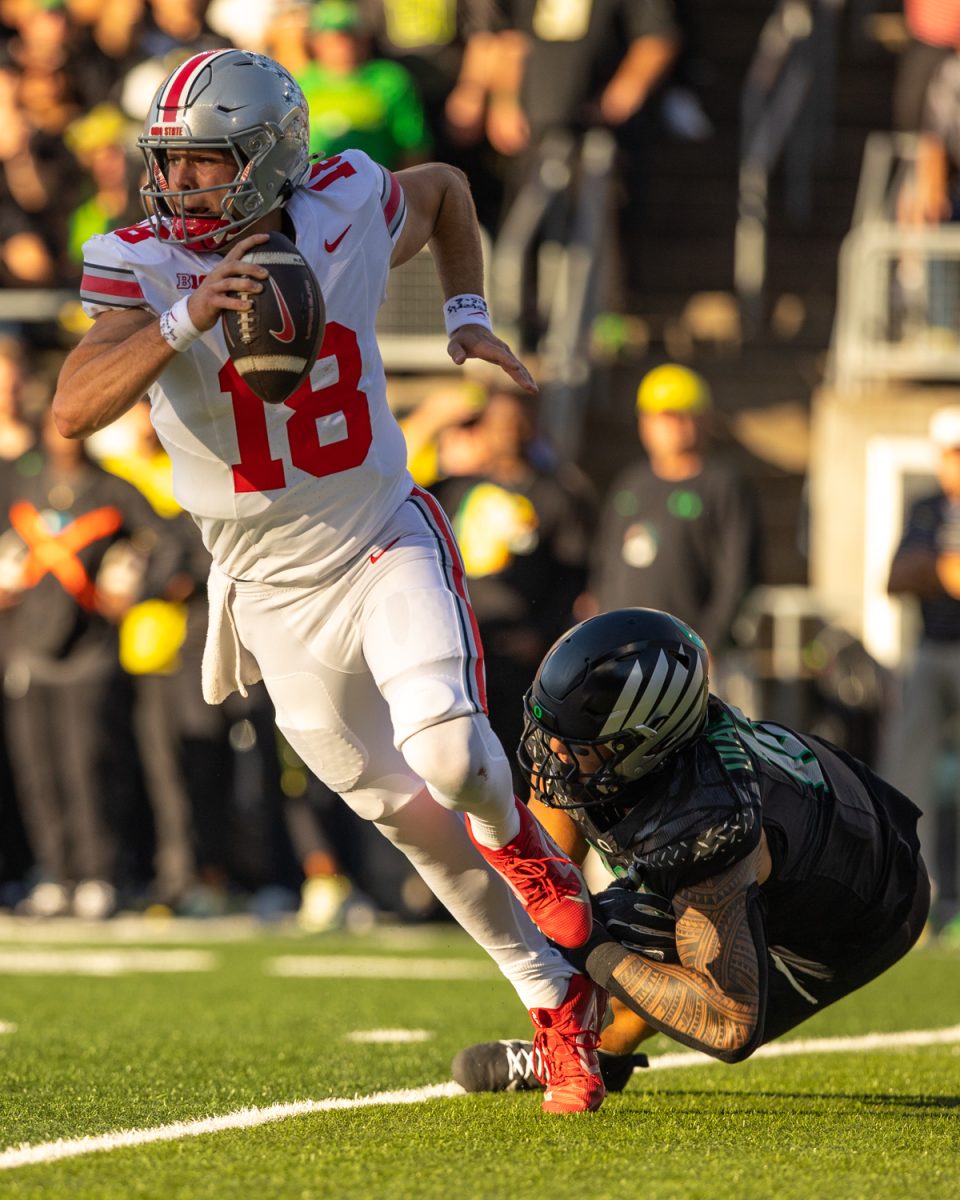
[
  {"x": 249, "y": 1118},
  {"x": 103, "y": 962},
  {"x": 387, "y": 1036},
  {"x": 246, "y": 1118},
  {"x": 359, "y": 966},
  {"x": 837, "y": 1045}
]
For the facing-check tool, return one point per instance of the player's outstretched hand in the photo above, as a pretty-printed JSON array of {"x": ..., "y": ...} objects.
[
  {"x": 228, "y": 284},
  {"x": 476, "y": 341}
]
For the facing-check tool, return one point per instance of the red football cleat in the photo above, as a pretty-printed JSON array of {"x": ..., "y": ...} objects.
[
  {"x": 565, "y": 1049},
  {"x": 547, "y": 884}
]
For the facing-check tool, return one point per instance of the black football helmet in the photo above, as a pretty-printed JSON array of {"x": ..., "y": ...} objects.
[{"x": 615, "y": 696}]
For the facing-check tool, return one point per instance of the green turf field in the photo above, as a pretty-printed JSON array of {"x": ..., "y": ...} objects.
[{"x": 223, "y": 1028}]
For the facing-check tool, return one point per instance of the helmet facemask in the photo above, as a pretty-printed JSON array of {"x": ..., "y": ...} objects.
[
  {"x": 271, "y": 154},
  {"x": 612, "y": 701},
  {"x": 574, "y": 773}
]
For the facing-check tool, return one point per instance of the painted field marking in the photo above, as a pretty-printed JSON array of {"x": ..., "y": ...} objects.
[
  {"x": 249, "y": 1118},
  {"x": 837, "y": 1045},
  {"x": 387, "y": 1036},
  {"x": 7, "y": 1027},
  {"x": 104, "y": 962},
  {"x": 245, "y": 1118},
  {"x": 350, "y": 966},
  {"x": 127, "y": 928}
]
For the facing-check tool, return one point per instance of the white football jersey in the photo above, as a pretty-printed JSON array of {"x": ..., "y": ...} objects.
[{"x": 291, "y": 492}]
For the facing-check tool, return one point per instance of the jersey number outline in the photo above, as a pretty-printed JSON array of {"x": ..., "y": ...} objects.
[{"x": 258, "y": 470}]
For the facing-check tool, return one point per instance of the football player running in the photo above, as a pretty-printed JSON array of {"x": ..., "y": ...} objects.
[
  {"x": 760, "y": 874},
  {"x": 334, "y": 579}
]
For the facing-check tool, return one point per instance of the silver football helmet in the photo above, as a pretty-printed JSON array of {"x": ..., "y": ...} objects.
[{"x": 231, "y": 100}]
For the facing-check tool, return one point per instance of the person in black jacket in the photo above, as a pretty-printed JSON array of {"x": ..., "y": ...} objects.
[
  {"x": 759, "y": 874},
  {"x": 680, "y": 529},
  {"x": 79, "y": 547},
  {"x": 926, "y": 566}
]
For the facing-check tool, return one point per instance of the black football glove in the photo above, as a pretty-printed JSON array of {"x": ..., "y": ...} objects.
[{"x": 639, "y": 921}]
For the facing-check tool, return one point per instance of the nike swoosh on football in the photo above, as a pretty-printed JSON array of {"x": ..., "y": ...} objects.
[
  {"x": 331, "y": 246},
  {"x": 286, "y": 331},
  {"x": 380, "y": 553}
]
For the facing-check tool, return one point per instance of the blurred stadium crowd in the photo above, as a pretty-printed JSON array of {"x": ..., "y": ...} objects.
[{"x": 119, "y": 788}]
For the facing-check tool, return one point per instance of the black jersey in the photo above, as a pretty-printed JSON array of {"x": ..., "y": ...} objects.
[
  {"x": 843, "y": 843},
  {"x": 847, "y": 894}
]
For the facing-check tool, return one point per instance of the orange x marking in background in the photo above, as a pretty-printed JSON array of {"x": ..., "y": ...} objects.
[{"x": 56, "y": 553}]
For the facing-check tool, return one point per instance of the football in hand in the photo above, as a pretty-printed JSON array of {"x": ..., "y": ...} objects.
[{"x": 274, "y": 343}]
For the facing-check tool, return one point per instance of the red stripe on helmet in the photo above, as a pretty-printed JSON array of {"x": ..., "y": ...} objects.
[{"x": 180, "y": 81}]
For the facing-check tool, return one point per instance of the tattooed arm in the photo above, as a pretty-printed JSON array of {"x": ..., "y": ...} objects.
[{"x": 713, "y": 1000}]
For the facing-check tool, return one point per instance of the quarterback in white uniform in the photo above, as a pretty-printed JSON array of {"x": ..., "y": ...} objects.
[{"x": 334, "y": 579}]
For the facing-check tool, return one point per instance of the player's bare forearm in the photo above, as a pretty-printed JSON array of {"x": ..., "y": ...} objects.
[
  {"x": 560, "y": 827},
  {"x": 124, "y": 352},
  {"x": 108, "y": 372},
  {"x": 441, "y": 214},
  {"x": 711, "y": 999}
]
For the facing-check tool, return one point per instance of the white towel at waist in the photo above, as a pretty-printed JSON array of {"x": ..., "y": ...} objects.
[{"x": 227, "y": 665}]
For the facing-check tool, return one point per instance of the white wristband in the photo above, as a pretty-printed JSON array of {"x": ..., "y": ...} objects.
[
  {"x": 466, "y": 310},
  {"x": 176, "y": 328}
]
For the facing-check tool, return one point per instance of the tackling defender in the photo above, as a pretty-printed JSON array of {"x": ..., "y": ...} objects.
[
  {"x": 761, "y": 874},
  {"x": 334, "y": 578}
]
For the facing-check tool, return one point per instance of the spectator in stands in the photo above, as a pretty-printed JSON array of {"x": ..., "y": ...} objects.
[
  {"x": 82, "y": 547},
  {"x": 36, "y": 176},
  {"x": 450, "y": 49},
  {"x": 934, "y": 33},
  {"x": 285, "y": 35},
  {"x": 524, "y": 526},
  {"x": 573, "y": 67},
  {"x": 437, "y": 424},
  {"x": 17, "y": 437},
  {"x": 177, "y": 25},
  {"x": 926, "y": 566},
  {"x": 679, "y": 530},
  {"x": 99, "y": 141},
  {"x": 16, "y": 434},
  {"x": 168, "y": 33},
  {"x": 356, "y": 100},
  {"x": 151, "y": 637},
  {"x": 99, "y": 46}
]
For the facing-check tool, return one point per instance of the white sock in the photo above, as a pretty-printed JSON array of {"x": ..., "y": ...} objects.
[{"x": 495, "y": 834}]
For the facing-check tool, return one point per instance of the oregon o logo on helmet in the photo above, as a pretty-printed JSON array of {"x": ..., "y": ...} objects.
[{"x": 537, "y": 711}]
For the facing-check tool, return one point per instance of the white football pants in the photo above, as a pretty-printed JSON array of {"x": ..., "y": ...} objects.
[{"x": 384, "y": 660}]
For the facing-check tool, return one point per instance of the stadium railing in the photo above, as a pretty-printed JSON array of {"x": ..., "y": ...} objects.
[
  {"x": 898, "y": 292},
  {"x": 410, "y": 328}
]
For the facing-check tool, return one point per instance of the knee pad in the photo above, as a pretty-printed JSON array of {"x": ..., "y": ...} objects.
[
  {"x": 461, "y": 762},
  {"x": 380, "y": 799}
]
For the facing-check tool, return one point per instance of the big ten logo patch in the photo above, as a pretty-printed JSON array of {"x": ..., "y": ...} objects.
[{"x": 187, "y": 282}]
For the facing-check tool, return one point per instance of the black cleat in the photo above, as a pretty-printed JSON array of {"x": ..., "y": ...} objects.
[{"x": 509, "y": 1066}]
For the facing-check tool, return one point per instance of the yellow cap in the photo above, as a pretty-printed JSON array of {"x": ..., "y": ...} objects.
[
  {"x": 672, "y": 388},
  {"x": 104, "y": 125}
]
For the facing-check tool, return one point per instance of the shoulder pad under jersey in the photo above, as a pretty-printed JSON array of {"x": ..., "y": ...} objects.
[{"x": 695, "y": 817}]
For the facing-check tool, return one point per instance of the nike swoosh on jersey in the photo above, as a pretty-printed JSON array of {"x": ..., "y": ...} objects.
[
  {"x": 380, "y": 553},
  {"x": 331, "y": 246},
  {"x": 286, "y": 331}
]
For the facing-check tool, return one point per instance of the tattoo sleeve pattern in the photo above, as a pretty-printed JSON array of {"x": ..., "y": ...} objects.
[{"x": 712, "y": 999}]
